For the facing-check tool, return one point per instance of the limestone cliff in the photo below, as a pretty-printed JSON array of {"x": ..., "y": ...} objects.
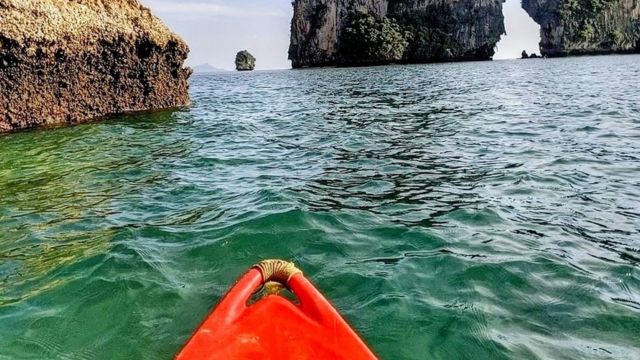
[
  {"x": 361, "y": 32},
  {"x": 69, "y": 61},
  {"x": 578, "y": 27}
]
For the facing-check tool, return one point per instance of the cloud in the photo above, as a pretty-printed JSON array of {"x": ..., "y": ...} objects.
[{"x": 209, "y": 9}]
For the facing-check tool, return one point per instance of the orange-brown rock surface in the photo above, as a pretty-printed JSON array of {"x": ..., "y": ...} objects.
[{"x": 70, "y": 61}]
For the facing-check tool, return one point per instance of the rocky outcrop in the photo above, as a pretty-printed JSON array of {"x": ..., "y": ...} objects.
[
  {"x": 579, "y": 27},
  {"x": 362, "y": 32},
  {"x": 524, "y": 55},
  {"x": 245, "y": 61},
  {"x": 70, "y": 61}
]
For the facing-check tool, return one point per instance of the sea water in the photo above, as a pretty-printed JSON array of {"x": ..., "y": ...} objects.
[{"x": 486, "y": 210}]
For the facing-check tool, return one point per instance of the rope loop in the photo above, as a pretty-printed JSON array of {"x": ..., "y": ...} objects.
[{"x": 277, "y": 270}]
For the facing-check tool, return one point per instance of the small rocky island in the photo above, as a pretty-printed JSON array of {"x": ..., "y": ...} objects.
[
  {"x": 65, "y": 62},
  {"x": 371, "y": 32},
  {"x": 245, "y": 61}
]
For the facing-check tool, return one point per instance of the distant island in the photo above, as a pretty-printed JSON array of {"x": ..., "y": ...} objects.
[
  {"x": 206, "y": 68},
  {"x": 375, "y": 32}
]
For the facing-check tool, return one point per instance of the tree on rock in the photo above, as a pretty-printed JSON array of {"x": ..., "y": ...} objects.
[
  {"x": 524, "y": 55},
  {"x": 369, "y": 39},
  {"x": 245, "y": 61}
]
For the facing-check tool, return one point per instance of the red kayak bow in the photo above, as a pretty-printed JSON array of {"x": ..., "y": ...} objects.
[{"x": 274, "y": 327}]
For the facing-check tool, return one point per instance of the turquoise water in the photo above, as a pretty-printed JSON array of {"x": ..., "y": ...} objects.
[{"x": 452, "y": 211}]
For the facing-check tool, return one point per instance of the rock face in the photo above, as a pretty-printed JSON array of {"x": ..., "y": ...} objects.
[
  {"x": 580, "y": 27},
  {"x": 363, "y": 32},
  {"x": 70, "y": 61},
  {"x": 245, "y": 61}
]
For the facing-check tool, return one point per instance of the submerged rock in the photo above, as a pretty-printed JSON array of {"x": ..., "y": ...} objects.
[
  {"x": 582, "y": 27},
  {"x": 64, "y": 62},
  {"x": 345, "y": 32},
  {"x": 245, "y": 61}
]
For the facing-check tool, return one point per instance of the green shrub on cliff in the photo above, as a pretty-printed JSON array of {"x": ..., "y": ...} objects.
[
  {"x": 578, "y": 10},
  {"x": 430, "y": 33},
  {"x": 370, "y": 39},
  {"x": 431, "y": 44},
  {"x": 616, "y": 37},
  {"x": 582, "y": 14},
  {"x": 587, "y": 31}
]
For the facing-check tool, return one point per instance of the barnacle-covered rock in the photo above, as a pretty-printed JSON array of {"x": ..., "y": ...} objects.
[{"x": 70, "y": 61}]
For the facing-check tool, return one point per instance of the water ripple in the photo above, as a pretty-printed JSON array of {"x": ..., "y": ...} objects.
[{"x": 451, "y": 209}]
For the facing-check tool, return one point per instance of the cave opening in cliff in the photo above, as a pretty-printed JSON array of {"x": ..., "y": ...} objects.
[{"x": 522, "y": 33}]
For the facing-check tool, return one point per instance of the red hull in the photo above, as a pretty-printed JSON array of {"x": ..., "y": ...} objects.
[{"x": 274, "y": 327}]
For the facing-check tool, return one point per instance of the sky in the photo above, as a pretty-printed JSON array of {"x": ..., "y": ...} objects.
[
  {"x": 522, "y": 33},
  {"x": 217, "y": 29}
]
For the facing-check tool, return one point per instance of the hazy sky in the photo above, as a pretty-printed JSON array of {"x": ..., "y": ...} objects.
[
  {"x": 522, "y": 32},
  {"x": 217, "y": 29}
]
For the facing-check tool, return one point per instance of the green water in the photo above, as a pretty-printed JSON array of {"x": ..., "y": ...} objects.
[{"x": 453, "y": 211}]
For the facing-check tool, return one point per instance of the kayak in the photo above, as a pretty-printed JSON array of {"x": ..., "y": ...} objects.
[{"x": 274, "y": 327}]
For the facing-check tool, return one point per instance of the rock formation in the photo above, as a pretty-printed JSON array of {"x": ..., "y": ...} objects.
[
  {"x": 579, "y": 27},
  {"x": 70, "y": 61},
  {"x": 362, "y": 32},
  {"x": 245, "y": 61}
]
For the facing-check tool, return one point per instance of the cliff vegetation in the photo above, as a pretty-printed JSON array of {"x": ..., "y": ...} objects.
[{"x": 370, "y": 39}]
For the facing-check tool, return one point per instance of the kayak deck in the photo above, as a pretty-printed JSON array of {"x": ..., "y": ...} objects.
[{"x": 274, "y": 327}]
